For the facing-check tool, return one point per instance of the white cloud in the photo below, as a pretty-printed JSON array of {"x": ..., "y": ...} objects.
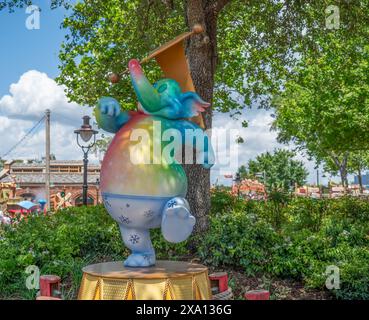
[
  {"x": 258, "y": 139},
  {"x": 33, "y": 94},
  {"x": 25, "y": 105}
]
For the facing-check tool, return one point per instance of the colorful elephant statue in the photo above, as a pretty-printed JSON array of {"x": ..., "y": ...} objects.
[{"x": 141, "y": 195}]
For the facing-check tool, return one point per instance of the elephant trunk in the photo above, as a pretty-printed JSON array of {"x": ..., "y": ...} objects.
[{"x": 147, "y": 95}]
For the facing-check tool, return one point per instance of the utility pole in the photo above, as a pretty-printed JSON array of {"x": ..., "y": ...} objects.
[
  {"x": 317, "y": 177},
  {"x": 47, "y": 158}
]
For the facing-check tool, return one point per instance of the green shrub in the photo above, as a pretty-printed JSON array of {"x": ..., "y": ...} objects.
[
  {"x": 296, "y": 239},
  {"x": 222, "y": 201},
  {"x": 239, "y": 239},
  {"x": 353, "y": 264},
  {"x": 351, "y": 209},
  {"x": 274, "y": 209},
  {"x": 62, "y": 243},
  {"x": 306, "y": 213}
]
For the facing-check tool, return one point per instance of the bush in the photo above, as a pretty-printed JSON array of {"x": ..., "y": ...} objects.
[
  {"x": 61, "y": 244},
  {"x": 222, "y": 201},
  {"x": 295, "y": 239},
  {"x": 239, "y": 239},
  {"x": 274, "y": 209},
  {"x": 306, "y": 213}
]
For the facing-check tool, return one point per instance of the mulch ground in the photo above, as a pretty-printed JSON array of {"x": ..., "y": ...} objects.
[{"x": 279, "y": 289}]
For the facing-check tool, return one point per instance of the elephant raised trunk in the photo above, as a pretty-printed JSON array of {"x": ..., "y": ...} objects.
[
  {"x": 147, "y": 95},
  {"x": 165, "y": 97}
]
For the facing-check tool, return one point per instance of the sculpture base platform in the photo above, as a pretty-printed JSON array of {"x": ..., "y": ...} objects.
[{"x": 167, "y": 280}]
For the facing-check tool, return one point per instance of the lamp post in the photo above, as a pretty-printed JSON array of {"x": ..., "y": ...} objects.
[
  {"x": 85, "y": 133},
  {"x": 97, "y": 190}
]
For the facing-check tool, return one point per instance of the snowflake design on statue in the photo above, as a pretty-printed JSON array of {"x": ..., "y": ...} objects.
[
  {"x": 134, "y": 238},
  {"x": 149, "y": 213},
  {"x": 172, "y": 203},
  {"x": 124, "y": 219}
]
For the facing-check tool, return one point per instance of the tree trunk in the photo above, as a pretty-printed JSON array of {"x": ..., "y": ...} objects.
[
  {"x": 360, "y": 179},
  {"x": 343, "y": 174},
  {"x": 342, "y": 179},
  {"x": 344, "y": 171},
  {"x": 201, "y": 51},
  {"x": 342, "y": 167}
]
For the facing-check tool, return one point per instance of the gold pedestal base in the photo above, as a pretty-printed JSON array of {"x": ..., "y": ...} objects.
[{"x": 167, "y": 280}]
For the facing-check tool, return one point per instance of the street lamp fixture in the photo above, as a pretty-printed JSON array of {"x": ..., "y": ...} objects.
[{"x": 85, "y": 133}]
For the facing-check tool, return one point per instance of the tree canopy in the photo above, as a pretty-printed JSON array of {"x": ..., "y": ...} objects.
[
  {"x": 278, "y": 170},
  {"x": 257, "y": 43},
  {"x": 258, "y": 46},
  {"x": 324, "y": 108}
]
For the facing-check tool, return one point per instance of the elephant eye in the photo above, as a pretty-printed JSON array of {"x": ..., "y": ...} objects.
[{"x": 162, "y": 88}]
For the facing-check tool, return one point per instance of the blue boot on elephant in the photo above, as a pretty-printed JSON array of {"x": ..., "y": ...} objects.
[{"x": 177, "y": 221}]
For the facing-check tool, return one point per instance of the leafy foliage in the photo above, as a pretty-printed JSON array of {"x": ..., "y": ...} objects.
[
  {"x": 254, "y": 58},
  {"x": 314, "y": 235},
  {"x": 277, "y": 170},
  {"x": 11, "y": 5},
  {"x": 103, "y": 36},
  {"x": 61, "y": 244},
  {"x": 223, "y": 200},
  {"x": 324, "y": 107}
]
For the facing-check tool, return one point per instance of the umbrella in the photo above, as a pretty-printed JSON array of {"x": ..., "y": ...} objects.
[{"x": 26, "y": 204}]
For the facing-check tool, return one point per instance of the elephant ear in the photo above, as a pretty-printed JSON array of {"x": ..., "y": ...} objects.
[
  {"x": 192, "y": 104},
  {"x": 187, "y": 105}
]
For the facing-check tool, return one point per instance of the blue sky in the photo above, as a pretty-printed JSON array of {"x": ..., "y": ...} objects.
[
  {"x": 24, "y": 49},
  {"x": 29, "y": 63}
]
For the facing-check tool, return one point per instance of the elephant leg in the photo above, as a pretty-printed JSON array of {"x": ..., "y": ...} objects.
[
  {"x": 177, "y": 221},
  {"x": 139, "y": 242}
]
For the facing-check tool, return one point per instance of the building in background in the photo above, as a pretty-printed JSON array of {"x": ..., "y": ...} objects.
[
  {"x": 66, "y": 180},
  {"x": 249, "y": 189}
]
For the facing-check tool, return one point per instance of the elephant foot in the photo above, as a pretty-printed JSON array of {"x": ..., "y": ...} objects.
[
  {"x": 177, "y": 221},
  {"x": 135, "y": 260}
]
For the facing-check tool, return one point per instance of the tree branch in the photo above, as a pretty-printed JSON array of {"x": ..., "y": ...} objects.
[
  {"x": 220, "y": 4},
  {"x": 214, "y": 7}
]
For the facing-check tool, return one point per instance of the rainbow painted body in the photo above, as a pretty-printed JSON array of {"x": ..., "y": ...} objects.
[
  {"x": 142, "y": 188},
  {"x": 120, "y": 175}
]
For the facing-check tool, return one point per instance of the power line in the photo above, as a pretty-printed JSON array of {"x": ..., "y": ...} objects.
[{"x": 23, "y": 138}]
